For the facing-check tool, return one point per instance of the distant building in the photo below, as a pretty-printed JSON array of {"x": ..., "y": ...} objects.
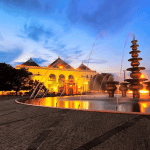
[{"x": 60, "y": 77}]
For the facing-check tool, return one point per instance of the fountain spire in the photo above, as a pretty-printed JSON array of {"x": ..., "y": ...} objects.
[
  {"x": 136, "y": 81},
  {"x": 133, "y": 37}
]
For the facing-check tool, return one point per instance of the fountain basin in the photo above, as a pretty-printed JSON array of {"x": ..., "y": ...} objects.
[{"x": 95, "y": 103}]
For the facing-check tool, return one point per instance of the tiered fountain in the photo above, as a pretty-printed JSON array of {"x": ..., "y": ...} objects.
[
  {"x": 111, "y": 87},
  {"x": 135, "y": 84}
]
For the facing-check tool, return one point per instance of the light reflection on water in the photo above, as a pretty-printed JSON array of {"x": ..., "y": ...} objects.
[
  {"x": 55, "y": 102},
  {"x": 104, "y": 105}
]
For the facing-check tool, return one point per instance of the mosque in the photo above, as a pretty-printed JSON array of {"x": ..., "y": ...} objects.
[{"x": 60, "y": 77}]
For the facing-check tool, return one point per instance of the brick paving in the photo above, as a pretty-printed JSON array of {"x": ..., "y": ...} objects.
[{"x": 26, "y": 127}]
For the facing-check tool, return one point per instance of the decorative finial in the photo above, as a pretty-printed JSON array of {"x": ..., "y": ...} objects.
[
  {"x": 58, "y": 56},
  {"x": 82, "y": 63},
  {"x": 133, "y": 37},
  {"x": 30, "y": 58}
]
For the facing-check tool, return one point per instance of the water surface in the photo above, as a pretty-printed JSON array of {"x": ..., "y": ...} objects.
[{"x": 95, "y": 103}]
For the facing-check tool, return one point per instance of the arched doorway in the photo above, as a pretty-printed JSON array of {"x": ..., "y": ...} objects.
[
  {"x": 61, "y": 84},
  {"x": 52, "y": 85},
  {"x": 61, "y": 80},
  {"x": 70, "y": 91},
  {"x": 71, "y": 87}
]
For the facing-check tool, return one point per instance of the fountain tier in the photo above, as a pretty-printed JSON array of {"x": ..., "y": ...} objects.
[{"x": 135, "y": 84}]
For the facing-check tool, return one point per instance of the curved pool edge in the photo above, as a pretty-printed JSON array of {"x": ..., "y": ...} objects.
[
  {"x": 96, "y": 97},
  {"x": 101, "y": 111}
]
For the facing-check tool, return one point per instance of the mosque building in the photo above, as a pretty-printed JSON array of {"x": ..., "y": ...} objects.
[{"x": 60, "y": 77}]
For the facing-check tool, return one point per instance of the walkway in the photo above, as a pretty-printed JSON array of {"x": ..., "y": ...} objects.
[{"x": 25, "y": 127}]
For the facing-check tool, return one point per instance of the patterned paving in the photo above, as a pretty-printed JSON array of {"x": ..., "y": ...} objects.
[
  {"x": 35, "y": 144},
  {"x": 106, "y": 136}
]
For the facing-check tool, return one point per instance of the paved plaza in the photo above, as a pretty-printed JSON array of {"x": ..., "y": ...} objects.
[{"x": 26, "y": 127}]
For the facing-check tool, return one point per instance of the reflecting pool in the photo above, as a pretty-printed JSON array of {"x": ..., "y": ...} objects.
[{"x": 95, "y": 103}]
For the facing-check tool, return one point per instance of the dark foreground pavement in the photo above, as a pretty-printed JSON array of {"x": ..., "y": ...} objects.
[{"x": 25, "y": 127}]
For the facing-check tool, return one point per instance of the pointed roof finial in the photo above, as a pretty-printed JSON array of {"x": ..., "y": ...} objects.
[
  {"x": 30, "y": 62},
  {"x": 58, "y": 56},
  {"x": 133, "y": 37}
]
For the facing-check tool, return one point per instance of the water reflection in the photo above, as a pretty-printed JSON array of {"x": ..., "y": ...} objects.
[
  {"x": 144, "y": 107},
  {"x": 129, "y": 107},
  {"x": 106, "y": 105},
  {"x": 55, "y": 102}
]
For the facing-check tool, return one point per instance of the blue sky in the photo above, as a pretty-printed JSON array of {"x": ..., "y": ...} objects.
[{"x": 91, "y": 31}]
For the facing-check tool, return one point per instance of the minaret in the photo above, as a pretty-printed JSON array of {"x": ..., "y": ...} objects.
[{"x": 135, "y": 82}]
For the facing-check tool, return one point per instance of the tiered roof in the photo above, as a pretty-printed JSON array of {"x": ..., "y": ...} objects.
[
  {"x": 30, "y": 62},
  {"x": 83, "y": 67},
  {"x": 59, "y": 63}
]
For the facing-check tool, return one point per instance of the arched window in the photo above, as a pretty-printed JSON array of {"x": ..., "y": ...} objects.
[
  {"x": 62, "y": 77},
  {"x": 52, "y": 77},
  {"x": 70, "y": 77},
  {"x": 61, "y": 80}
]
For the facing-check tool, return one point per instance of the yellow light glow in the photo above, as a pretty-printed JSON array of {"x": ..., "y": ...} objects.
[
  {"x": 85, "y": 82},
  {"x": 85, "y": 105},
  {"x": 144, "y": 91},
  {"x": 47, "y": 102},
  {"x": 66, "y": 104},
  {"x": 61, "y": 67},
  {"x": 141, "y": 91},
  {"x": 77, "y": 104},
  {"x": 143, "y": 106},
  {"x": 130, "y": 92},
  {"x": 142, "y": 76},
  {"x": 55, "y": 102}
]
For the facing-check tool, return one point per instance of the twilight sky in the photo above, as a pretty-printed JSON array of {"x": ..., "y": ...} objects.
[{"x": 95, "y": 32}]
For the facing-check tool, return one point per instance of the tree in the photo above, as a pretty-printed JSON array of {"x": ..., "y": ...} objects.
[
  {"x": 14, "y": 79},
  {"x": 7, "y": 74},
  {"x": 22, "y": 80}
]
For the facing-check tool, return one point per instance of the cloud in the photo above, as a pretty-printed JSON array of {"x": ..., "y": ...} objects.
[
  {"x": 94, "y": 61},
  {"x": 103, "y": 15},
  {"x": 61, "y": 45},
  {"x": 10, "y": 55},
  {"x": 63, "y": 50},
  {"x": 35, "y": 32},
  {"x": 1, "y": 37},
  {"x": 76, "y": 50},
  {"x": 39, "y": 60},
  {"x": 29, "y": 6},
  {"x": 16, "y": 63}
]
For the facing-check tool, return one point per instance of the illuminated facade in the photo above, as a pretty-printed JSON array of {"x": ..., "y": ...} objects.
[{"x": 60, "y": 77}]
